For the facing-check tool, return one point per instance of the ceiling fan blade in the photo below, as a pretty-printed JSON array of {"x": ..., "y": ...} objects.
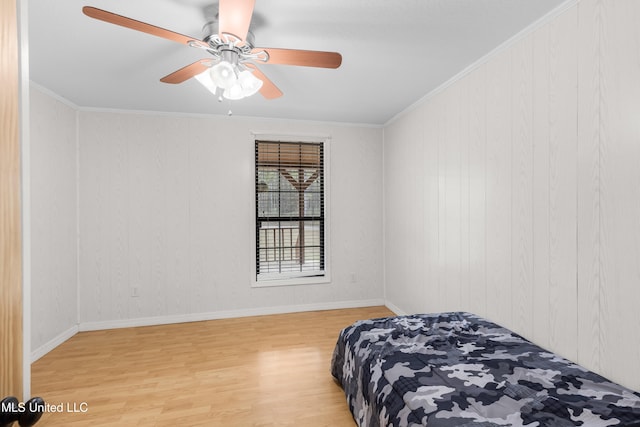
[
  {"x": 268, "y": 89},
  {"x": 306, "y": 58},
  {"x": 123, "y": 21},
  {"x": 185, "y": 73},
  {"x": 234, "y": 18}
]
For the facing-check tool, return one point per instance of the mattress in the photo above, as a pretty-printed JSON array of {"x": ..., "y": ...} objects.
[{"x": 458, "y": 369}]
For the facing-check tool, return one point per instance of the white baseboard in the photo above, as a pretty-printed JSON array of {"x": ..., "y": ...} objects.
[
  {"x": 226, "y": 314},
  {"x": 47, "y": 347},
  {"x": 395, "y": 308},
  {"x": 196, "y": 317}
]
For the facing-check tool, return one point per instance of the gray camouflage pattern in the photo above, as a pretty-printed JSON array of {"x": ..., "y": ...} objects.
[{"x": 458, "y": 369}]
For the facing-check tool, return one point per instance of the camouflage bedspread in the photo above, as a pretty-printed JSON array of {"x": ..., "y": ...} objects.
[{"x": 457, "y": 369}]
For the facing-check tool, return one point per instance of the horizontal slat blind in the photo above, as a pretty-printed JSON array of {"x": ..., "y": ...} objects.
[{"x": 289, "y": 201}]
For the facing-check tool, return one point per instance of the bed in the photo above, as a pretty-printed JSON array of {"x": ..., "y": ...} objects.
[{"x": 458, "y": 369}]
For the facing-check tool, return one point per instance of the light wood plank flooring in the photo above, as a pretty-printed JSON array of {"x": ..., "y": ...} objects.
[{"x": 251, "y": 371}]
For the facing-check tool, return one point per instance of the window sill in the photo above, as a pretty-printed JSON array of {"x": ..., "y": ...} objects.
[{"x": 294, "y": 281}]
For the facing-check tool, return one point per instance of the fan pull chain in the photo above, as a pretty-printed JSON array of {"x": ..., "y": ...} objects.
[{"x": 221, "y": 99}]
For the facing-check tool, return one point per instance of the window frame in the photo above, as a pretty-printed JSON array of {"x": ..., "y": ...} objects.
[{"x": 286, "y": 279}]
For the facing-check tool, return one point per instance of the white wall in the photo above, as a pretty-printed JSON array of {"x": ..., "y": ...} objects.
[
  {"x": 166, "y": 206},
  {"x": 515, "y": 192},
  {"x": 54, "y": 303}
]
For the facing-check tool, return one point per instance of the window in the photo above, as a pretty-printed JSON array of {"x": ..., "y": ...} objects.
[{"x": 290, "y": 210}]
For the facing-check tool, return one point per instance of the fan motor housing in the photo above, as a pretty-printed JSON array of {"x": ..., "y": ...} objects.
[{"x": 211, "y": 36}]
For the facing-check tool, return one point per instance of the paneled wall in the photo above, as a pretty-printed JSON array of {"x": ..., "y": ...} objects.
[
  {"x": 515, "y": 192},
  {"x": 54, "y": 237},
  {"x": 609, "y": 190},
  {"x": 166, "y": 212}
]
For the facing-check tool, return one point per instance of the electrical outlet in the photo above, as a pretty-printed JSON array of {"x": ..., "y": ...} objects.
[
  {"x": 134, "y": 292},
  {"x": 353, "y": 278}
]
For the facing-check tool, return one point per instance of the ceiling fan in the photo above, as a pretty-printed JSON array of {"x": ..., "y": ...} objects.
[{"x": 232, "y": 72}]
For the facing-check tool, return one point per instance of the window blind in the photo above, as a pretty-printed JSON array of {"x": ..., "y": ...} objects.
[{"x": 289, "y": 184}]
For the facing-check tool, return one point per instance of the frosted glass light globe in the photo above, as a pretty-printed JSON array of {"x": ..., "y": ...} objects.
[{"x": 223, "y": 75}]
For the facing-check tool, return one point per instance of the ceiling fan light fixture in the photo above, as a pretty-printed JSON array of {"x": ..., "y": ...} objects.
[
  {"x": 206, "y": 81},
  {"x": 233, "y": 93},
  {"x": 247, "y": 85},
  {"x": 250, "y": 84},
  {"x": 223, "y": 75},
  {"x": 244, "y": 86}
]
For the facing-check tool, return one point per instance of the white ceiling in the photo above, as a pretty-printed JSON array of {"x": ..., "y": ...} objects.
[{"x": 394, "y": 52}]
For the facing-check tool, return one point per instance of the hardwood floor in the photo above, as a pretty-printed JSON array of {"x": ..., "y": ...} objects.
[{"x": 251, "y": 371}]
